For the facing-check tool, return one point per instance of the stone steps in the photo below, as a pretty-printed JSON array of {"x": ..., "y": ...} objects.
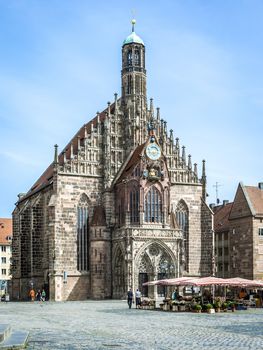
[
  {"x": 5, "y": 330},
  {"x": 10, "y": 339}
]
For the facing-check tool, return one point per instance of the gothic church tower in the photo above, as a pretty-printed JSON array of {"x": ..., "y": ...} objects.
[{"x": 134, "y": 93}]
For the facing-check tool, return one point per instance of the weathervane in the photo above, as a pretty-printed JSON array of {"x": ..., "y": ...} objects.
[{"x": 133, "y": 21}]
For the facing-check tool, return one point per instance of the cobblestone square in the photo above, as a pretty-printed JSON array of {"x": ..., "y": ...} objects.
[{"x": 104, "y": 325}]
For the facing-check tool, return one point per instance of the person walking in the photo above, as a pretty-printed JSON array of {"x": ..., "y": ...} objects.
[
  {"x": 129, "y": 298},
  {"x": 38, "y": 295},
  {"x": 32, "y": 294},
  {"x": 174, "y": 295},
  {"x": 138, "y": 296},
  {"x": 43, "y": 295}
]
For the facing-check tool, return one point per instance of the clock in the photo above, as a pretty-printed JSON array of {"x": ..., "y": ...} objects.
[{"x": 153, "y": 151}]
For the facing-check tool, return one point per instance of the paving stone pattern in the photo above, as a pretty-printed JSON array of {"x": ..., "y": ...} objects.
[{"x": 104, "y": 325}]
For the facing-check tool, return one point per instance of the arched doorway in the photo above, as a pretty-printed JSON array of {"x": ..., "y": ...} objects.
[
  {"x": 119, "y": 285},
  {"x": 154, "y": 262},
  {"x": 145, "y": 272}
]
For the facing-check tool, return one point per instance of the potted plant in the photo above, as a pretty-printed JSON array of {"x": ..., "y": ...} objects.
[
  {"x": 209, "y": 308},
  {"x": 232, "y": 304},
  {"x": 197, "y": 308},
  {"x": 217, "y": 305},
  {"x": 225, "y": 306}
]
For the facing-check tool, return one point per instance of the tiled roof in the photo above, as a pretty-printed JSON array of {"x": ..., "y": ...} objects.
[
  {"x": 255, "y": 195},
  {"x": 221, "y": 215},
  {"x": 47, "y": 177},
  {"x": 6, "y": 230}
]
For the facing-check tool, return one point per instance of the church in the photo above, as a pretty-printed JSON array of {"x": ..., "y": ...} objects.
[{"x": 120, "y": 205}]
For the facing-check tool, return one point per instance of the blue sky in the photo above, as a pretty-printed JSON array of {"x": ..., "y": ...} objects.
[{"x": 60, "y": 63}]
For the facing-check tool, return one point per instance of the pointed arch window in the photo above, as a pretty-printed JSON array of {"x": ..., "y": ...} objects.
[
  {"x": 129, "y": 84},
  {"x": 153, "y": 206},
  {"x": 166, "y": 269},
  {"x": 83, "y": 234},
  {"x": 182, "y": 218},
  {"x": 129, "y": 57},
  {"x": 137, "y": 57},
  {"x": 134, "y": 206}
]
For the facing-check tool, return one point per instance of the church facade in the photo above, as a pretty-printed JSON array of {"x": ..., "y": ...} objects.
[{"x": 122, "y": 204}]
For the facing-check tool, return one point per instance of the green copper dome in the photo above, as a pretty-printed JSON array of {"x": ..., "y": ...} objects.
[{"x": 133, "y": 37}]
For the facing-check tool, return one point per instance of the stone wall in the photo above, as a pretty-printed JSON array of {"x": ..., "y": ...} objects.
[
  {"x": 257, "y": 249},
  {"x": 207, "y": 241},
  {"x": 31, "y": 236},
  {"x": 191, "y": 195},
  {"x": 69, "y": 191},
  {"x": 241, "y": 247},
  {"x": 100, "y": 263}
]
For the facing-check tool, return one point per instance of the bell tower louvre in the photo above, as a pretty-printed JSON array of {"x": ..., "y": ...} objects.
[{"x": 121, "y": 204}]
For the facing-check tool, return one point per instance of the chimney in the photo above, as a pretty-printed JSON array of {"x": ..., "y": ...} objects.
[
  {"x": 225, "y": 202},
  {"x": 260, "y": 185}
]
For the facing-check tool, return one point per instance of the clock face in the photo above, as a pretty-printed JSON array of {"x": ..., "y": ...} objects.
[{"x": 153, "y": 151}]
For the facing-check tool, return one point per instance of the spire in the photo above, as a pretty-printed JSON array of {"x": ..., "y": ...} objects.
[
  {"x": 116, "y": 102},
  {"x": 183, "y": 155},
  {"x": 98, "y": 123},
  {"x": 71, "y": 151},
  {"x": 55, "y": 154},
  {"x": 158, "y": 113},
  {"x": 64, "y": 156},
  {"x": 108, "y": 103},
  {"x": 177, "y": 152},
  {"x": 195, "y": 170},
  {"x": 98, "y": 117},
  {"x": 151, "y": 108},
  {"x": 203, "y": 180},
  {"x": 171, "y": 138},
  {"x": 177, "y": 146},
  {"x": 203, "y": 172},
  {"x": 189, "y": 162},
  {"x": 165, "y": 127}
]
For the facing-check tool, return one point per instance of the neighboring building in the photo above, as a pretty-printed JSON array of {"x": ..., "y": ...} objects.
[
  {"x": 222, "y": 239},
  {"x": 5, "y": 253},
  {"x": 241, "y": 234},
  {"x": 120, "y": 205}
]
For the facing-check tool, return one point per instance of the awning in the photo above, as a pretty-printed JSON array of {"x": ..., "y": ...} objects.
[
  {"x": 242, "y": 282},
  {"x": 167, "y": 282},
  {"x": 206, "y": 281}
]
